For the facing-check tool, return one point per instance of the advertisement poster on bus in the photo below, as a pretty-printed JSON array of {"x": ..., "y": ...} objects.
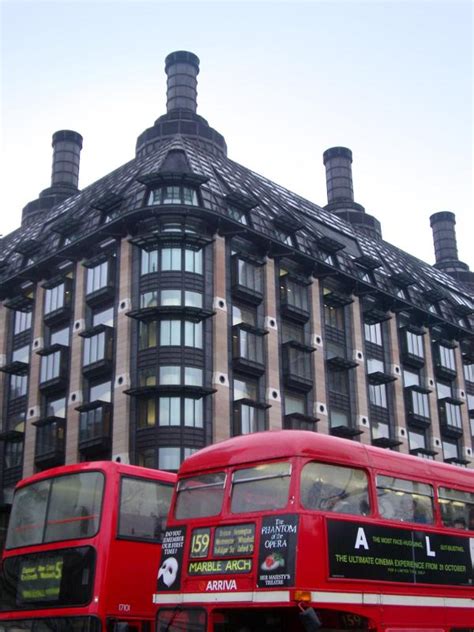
[
  {"x": 276, "y": 556},
  {"x": 169, "y": 574},
  {"x": 362, "y": 551}
]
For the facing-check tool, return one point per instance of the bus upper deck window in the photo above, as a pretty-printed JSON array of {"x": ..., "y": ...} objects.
[
  {"x": 260, "y": 488},
  {"x": 144, "y": 506},
  {"x": 457, "y": 508},
  {"x": 327, "y": 487},
  {"x": 409, "y": 501},
  {"x": 200, "y": 496}
]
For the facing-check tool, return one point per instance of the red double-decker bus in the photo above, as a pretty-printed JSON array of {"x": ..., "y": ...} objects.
[
  {"x": 83, "y": 549},
  {"x": 293, "y": 531}
]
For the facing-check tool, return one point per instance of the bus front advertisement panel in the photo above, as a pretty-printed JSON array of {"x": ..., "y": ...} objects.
[
  {"x": 169, "y": 575},
  {"x": 363, "y": 551},
  {"x": 277, "y": 552}
]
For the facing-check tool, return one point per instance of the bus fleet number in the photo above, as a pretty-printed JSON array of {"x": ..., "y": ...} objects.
[{"x": 124, "y": 607}]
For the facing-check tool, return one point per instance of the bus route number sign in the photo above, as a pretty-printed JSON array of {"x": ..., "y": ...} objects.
[{"x": 200, "y": 543}]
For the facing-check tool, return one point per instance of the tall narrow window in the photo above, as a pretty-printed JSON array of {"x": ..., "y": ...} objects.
[
  {"x": 171, "y": 259},
  {"x": 22, "y": 322},
  {"x": 149, "y": 262},
  {"x": 54, "y": 298},
  {"x": 97, "y": 277},
  {"x": 170, "y": 411},
  {"x": 373, "y": 333}
]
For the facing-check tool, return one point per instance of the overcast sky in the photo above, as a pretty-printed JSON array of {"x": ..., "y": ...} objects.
[{"x": 282, "y": 81}]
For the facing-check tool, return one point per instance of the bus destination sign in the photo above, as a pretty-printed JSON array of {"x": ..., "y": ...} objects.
[
  {"x": 220, "y": 567},
  {"x": 362, "y": 551},
  {"x": 238, "y": 539},
  {"x": 40, "y": 579}
]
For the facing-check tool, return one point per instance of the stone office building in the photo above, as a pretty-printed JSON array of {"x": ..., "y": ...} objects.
[{"x": 183, "y": 299}]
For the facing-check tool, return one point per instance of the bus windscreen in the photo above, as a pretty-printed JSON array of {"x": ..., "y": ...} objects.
[{"x": 62, "y": 508}]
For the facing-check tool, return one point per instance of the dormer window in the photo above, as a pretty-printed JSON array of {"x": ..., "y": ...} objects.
[
  {"x": 403, "y": 293},
  {"x": 239, "y": 215},
  {"x": 328, "y": 258},
  {"x": 285, "y": 238},
  {"x": 174, "y": 194},
  {"x": 366, "y": 276}
]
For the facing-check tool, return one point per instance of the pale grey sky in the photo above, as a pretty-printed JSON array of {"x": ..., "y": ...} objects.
[{"x": 282, "y": 81}]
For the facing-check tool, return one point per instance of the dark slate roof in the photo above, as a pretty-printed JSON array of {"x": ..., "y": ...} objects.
[{"x": 124, "y": 190}]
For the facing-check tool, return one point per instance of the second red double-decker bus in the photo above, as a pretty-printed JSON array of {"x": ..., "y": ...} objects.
[
  {"x": 293, "y": 531},
  {"x": 83, "y": 548}
]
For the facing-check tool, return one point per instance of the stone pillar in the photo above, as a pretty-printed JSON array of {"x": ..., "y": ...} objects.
[
  {"x": 320, "y": 408},
  {"x": 436, "y": 444},
  {"x": 362, "y": 404},
  {"x": 33, "y": 409},
  {"x": 4, "y": 332},
  {"x": 401, "y": 430},
  {"x": 123, "y": 331},
  {"x": 273, "y": 394},
  {"x": 220, "y": 334},
  {"x": 466, "y": 424},
  {"x": 75, "y": 367}
]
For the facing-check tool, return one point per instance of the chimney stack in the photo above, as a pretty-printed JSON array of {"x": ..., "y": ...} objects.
[
  {"x": 446, "y": 250},
  {"x": 182, "y": 69},
  {"x": 67, "y": 147},
  {"x": 444, "y": 237},
  {"x": 338, "y": 161}
]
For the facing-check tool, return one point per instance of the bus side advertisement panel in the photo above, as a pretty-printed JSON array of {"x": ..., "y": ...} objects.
[{"x": 362, "y": 551}]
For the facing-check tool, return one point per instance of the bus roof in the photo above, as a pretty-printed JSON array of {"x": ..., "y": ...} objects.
[
  {"x": 282, "y": 444},
  {"x": 109, "y": 467}
]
